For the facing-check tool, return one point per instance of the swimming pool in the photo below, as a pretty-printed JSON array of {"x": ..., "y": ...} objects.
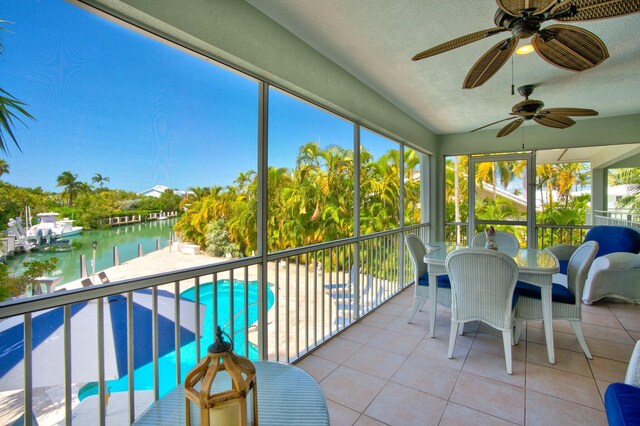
[{"x": 143, "y": 376}]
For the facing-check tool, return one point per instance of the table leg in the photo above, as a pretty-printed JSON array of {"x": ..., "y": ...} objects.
[
  {"x": 547, "y": 316},
  {"x": 433, "y": 302}
]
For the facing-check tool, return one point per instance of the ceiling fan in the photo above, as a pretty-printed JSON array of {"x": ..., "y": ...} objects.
[
  {"x": 558, "y": 118},
  {"x": 564, "y": 46}
]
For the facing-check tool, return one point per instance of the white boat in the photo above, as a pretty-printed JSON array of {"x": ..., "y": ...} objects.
[{"x": 49, "y": 225}]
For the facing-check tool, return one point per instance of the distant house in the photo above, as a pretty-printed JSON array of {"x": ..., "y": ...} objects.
[{"x": 157, "y": 191}]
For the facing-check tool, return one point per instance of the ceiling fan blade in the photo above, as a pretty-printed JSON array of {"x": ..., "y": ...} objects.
[
  {"x": 569, "y": 47},
  {"x": 491, "y": 124},
  {"x": 490, "y": 63},
  {"x": 555, "y": 121},
  {"x": 572, "y": 112},
  {"x": 586, "y": 10},
  {"x": 510, "y": 127},
  {"x": 458, "y": 42},
  {"x": 513, "y": 7}
]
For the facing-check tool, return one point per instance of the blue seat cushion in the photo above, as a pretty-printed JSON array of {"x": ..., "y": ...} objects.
[
  {"x": 564, "y": 266},
  {"x": 622, "y": 404},
  {"x": 514, "y": 299},
  {"x": 443, "y": 281},
  {"x": 559, "y": 293},
  {"x": 612, "y": 239}
]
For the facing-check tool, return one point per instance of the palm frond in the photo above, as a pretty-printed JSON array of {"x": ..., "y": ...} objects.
[{"x": 10, "y": 110}]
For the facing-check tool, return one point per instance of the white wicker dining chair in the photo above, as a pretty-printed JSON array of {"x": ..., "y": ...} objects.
[
  {"x": 482, "y": 287},
  {"x": 566, "y": 301},
  {"x": 421, "y": 282},
  {"x": 505, "y": 241}
]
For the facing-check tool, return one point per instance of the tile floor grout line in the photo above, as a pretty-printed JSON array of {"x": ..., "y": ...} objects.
[
  {"x": 564, "y": 399},
  {"x": 495, "y": 381},
  {"x": 615, "y": 354}
]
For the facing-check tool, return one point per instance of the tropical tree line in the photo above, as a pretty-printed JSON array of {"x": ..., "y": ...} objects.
[
  {"x": 310, "y": 203},
  {"x": 554, "y": 182},
  {"x": 89, "y": 203},
  {"x": 630, "y": 177}
]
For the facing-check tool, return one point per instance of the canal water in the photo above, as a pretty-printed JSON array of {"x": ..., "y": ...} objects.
[{"x": 126, "y": 238}]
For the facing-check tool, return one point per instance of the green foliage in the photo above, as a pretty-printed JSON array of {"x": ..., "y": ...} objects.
[
  {"x": 94, "y": 207},
  {"x": 169, "y": 201},
  {"x": 72, "y": 187},
  {"x": 554, "y": 181},
  {"x": 573, "y": 213},
  {"x": 308, "y": 204},
  {"x": 5, "y": 289},
  {"x": 11, "y": 287},
  {"x": 89, "y": 208},
  {"x": 629, "y": 177},
  {"x": 11, "y": 111},
  {"x": 13, "y": 199},
  {"x": 217, "y": 240}
]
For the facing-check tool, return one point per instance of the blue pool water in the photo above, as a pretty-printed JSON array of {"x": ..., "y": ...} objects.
[{"x": 143, "y": 376}]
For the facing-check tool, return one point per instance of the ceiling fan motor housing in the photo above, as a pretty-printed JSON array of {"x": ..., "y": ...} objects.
[
  {"x": 530, "y": 107},
  {"x": 523, "y": 26}
]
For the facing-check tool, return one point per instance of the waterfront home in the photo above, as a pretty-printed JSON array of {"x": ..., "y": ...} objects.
[{"x": 349, "y": 64}]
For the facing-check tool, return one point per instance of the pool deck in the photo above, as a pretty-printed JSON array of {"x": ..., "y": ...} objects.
[
  {"x": 156, "y": 262},
  {"x": 48, "y": 403}
]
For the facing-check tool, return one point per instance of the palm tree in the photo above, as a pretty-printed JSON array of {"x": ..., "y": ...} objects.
[
  {"x": 71, "y": 186},
  {"x": 10, "y": 109},
  {"x": 630, "y": 177},
  {"x": 486, "y": 172},
  {"x": 4, "y": 167},
  {"x": 198, "y": 193},
  {"x": 100, "y": 180}
]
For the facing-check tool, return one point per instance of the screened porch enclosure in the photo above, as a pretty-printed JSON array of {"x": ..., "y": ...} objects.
[{"x": 299, "y": 183}]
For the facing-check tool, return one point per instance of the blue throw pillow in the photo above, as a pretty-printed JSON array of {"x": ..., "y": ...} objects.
[{"x": 612, "y": 239}]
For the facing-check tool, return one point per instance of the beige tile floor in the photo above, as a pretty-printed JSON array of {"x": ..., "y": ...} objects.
[{"x": 385, "y": 371}]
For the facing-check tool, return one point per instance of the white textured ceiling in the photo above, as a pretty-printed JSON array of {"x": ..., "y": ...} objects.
[{"x": 374, "y": 40}]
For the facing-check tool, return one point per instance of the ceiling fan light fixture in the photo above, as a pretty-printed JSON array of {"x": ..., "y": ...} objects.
[{"x": 524, "y": 49}]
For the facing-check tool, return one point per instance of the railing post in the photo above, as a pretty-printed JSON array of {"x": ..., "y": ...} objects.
[
  {"x": 356, "y": 218},
  {"x": 116, "y": 256},
  {"x": 400, "y": 263},
  {"x": 262, "y": 213},
  {"x": 28, "y": 379}
]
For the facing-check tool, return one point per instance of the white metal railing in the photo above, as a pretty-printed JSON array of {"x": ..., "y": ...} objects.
[
  {"x": 310, "y": 294},
  {"x": 546, "y": 235},
  {"x": 550, "y": 235},
  {"x": 456, "y": 233},
  {"x": 614, "y": 217}
]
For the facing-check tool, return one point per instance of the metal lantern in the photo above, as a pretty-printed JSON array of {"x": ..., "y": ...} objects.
[{"x": 228, "y": 407}]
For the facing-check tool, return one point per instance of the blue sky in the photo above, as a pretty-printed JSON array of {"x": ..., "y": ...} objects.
[{"x": 111, "y": 101}]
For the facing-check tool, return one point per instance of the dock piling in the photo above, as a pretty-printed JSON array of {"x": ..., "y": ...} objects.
[{"x": 83, "y": 267}]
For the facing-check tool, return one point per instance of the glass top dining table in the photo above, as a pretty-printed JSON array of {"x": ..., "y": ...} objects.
[{"x": 534, "y": 267}]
